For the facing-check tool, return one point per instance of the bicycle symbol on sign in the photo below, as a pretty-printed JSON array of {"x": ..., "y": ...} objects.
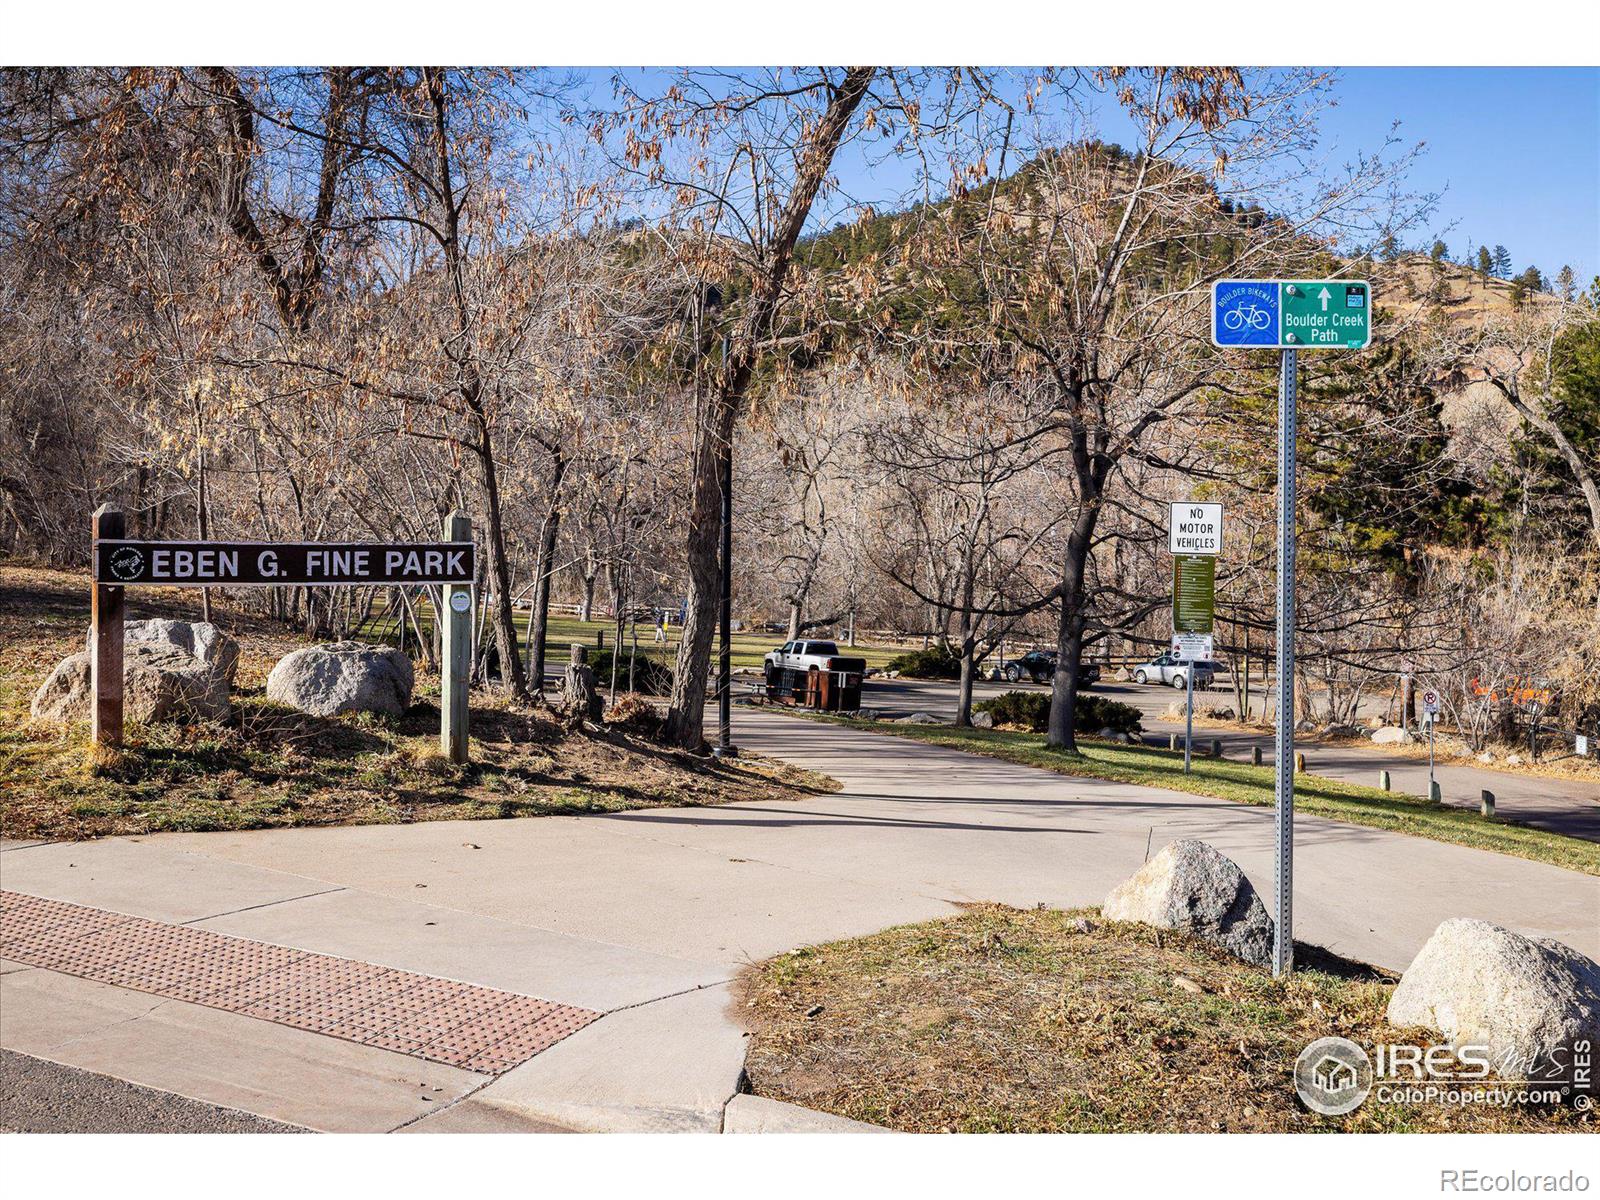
[{"x": 1251, "y": 315}]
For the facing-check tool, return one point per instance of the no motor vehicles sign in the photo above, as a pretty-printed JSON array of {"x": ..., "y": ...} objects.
[
  {"x": 268, "y": 564},
  {"x": 1194, "y": 528}
]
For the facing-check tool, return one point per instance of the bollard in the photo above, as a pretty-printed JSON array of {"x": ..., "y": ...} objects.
[
  {"x": 1434, "y": 792},
  {"x": 1486, "y": 803},
  {"x": 1255, "y": 756},
  {"x": 1383, "y": 780},
  {"x": 1299, "y": 762},
  {"x": 1216, "y": 747},
  {"x": 1172, "y": 741}
]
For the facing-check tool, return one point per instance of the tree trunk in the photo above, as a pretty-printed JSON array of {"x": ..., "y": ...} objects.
[
  {"x": 505, "y": 628},
  {"x": 539, "y": 614},
  {"x": 686, "y": 716},
  {"x": 968, "y": 668},
  {"x": 1069, "y": 631},
  {"x": 794, "y": 619},
  {"x": 586, "y": 608}
]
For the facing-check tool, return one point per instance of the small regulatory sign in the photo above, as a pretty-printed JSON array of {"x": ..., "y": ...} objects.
[
  {"x": 1292, "y": 314},
  {"x": 1194, "y": 528},
  {"x": 1194, "y": 593},
  {"x": 1429, "y": 699},
  {"x": 1192, "y": 647},
  {"x": 267, "y": 564}
]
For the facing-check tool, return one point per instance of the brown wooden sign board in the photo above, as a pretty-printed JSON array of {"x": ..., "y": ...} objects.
[
  {"x": 120, "y": 562},
  {"x": 129, "y": 563}
]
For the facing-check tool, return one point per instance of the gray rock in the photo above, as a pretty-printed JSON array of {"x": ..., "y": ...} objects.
[
  {"x": 1391, "y": 735},
  {"x": 1519, "y": 997},
  {"x": 919, "y": 719},
  {"x": 983, "y": 720},
  {"x": 1192, "y": 887},
  {"x": 199, "y": 639},
  {"x": 1179, "y": 709},
  {"x": 339, "y": 677},
  {"x": 158, "y": 684}
]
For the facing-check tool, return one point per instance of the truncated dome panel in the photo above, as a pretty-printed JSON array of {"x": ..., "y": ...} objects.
[{"x": 461, "y": 1024}]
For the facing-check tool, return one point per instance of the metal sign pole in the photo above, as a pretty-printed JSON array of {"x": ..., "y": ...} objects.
[
  {"x": 1430, "y": 755},
  {"x": 1188, "y": 718},
  {"x": 1283, "y": 742}
]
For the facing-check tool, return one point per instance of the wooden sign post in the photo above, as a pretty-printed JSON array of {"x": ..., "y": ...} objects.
[
  {"x": 455, "y": 668},
  {"x": 105, "y": 636}
]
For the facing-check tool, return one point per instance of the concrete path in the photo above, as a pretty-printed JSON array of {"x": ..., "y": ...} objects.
[
  {"x": 648, "y": 915},
  {"x": 1566, "y": 806}
]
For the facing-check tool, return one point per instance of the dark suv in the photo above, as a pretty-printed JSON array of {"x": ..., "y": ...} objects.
[{"x": 1040, "y": 667}]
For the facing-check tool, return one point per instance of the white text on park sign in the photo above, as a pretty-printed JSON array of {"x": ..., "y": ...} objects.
[{"x": 1195, "y": 528}]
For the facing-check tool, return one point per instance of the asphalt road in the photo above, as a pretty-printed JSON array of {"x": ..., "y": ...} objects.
[
  {"x": 1563, "y": 805},
  {"x": 39, "y": 1096}
]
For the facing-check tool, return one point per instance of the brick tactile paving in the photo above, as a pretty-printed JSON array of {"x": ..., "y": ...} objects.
[{"x": 442, "y": 1020}]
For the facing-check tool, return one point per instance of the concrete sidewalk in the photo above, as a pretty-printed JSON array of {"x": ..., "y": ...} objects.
[{"x": 647, "y": 916}]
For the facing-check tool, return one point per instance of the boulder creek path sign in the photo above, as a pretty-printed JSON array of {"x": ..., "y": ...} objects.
[
  {"x": 129, "y": 563},
  {"x": 1291, "y": 314}
]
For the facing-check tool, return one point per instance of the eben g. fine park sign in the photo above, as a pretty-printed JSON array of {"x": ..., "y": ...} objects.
[
  {"x": 1292, "y": 314},
  {"x": 268, "y": 564}
]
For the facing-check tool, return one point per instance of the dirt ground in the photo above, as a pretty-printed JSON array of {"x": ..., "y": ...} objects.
[
  {"x": 272, "y": 766},
  {"x": 1034, "y": 1021}
]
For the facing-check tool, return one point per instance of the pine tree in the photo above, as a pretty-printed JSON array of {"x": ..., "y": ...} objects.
[
  {"x": 1502, "y": 262},
  {"x": 1439, "y": 251},
  {"x": 1485, "y": 261},
  {"x": 1389, "y": 246},
  {"x": 1567, "y": 283}
]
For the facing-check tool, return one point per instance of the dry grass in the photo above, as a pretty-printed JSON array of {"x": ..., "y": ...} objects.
[
  {"x": 1007, "y": 1020},
  {"x": 271, "y": 766}
]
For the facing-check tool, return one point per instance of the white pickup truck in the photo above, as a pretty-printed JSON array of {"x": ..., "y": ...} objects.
[{"x": 813, "y": 673}]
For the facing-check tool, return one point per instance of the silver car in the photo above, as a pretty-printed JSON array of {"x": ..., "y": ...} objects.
[{"x": 1168, "y": 670}]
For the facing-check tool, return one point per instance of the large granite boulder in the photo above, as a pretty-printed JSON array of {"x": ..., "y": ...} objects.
[
  {"x": 339, "y": 677},
  {"x": 1521, "y": 998},
  {"x": 159, "y": 683},
  {"x": 1192, "y": 887},
  {"x": 199, "y": 639}
]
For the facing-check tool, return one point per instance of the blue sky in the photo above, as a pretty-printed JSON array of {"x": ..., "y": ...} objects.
[{"x": 1515, "y": 153}]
